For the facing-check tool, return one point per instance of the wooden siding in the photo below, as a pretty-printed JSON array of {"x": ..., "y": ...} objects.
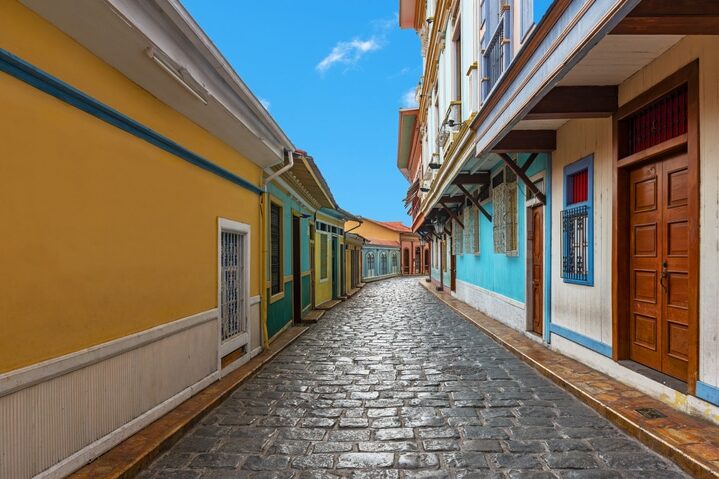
[
  {"x": 586, "y": 310},
  {"x": 47, "y": 422}
]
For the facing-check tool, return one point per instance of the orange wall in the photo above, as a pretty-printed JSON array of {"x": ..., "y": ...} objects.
[{"x": 371, "y": 230}]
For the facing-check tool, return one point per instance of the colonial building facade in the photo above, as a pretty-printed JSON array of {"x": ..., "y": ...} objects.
[
  {"x": 390, "y": 249},
  {"x": 563, "y": 183}
]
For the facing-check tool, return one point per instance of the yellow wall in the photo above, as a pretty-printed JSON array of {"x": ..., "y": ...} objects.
[
  {"x": 372, "y": 230},
  {"x": 103, "y": 234}
]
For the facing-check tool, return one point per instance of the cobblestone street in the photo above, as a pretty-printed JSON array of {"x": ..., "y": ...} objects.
[{"x": 392, "y": 383}]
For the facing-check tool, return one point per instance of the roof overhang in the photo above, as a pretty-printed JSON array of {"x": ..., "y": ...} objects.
[
  {"x": 305, "y": 177},
  {"x": 405, "y": 139},
  {"x": 408, "y": 10},
  {"x": 159, "y": 46}
]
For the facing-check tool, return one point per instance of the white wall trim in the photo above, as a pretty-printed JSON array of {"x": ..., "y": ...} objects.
[
  {"x": 255, "y": 300},
  {"x": 495, "y": 295},
  {"x": 256, "y": 351},
  {"x": 242, "y": 360},
  {"x": 18, "y": 379},
  {"x": 105, "y": 443}
]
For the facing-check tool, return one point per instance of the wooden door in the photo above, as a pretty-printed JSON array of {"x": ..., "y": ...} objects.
[
  {"x": 537, "y": 262},
  {"x": 453, "y": 272},
  {"x": 659, "y": 265}
]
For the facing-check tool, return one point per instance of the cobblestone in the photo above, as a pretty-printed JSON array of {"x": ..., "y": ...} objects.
[{"x": 392, "y": 384}]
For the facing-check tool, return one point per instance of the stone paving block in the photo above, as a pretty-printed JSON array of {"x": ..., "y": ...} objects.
[{"x": 393, "y": 380}]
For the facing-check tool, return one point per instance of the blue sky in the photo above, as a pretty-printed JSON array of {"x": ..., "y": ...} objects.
[{"x": 334, "y": 74}]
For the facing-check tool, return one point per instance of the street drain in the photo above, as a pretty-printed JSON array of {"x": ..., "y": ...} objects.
[{"x": 650, "y": 413}]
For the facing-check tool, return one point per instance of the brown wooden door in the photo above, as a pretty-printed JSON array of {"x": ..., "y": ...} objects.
[
  {"x": 296, "y": 271},
  {"x": 659, "y": 266},
  {"x": 453, "y": 272},
  {"x": 537, "y": 243}
]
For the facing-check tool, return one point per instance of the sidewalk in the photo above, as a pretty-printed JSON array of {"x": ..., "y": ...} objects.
[{"x": 690, "y": 442}]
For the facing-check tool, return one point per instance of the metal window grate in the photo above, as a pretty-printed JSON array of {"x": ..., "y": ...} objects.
[
  {"x": 370, "y": 264},
  {"x": 494, "y": 56},
  {"x": 575, "y": 243},
  {"x": 275, "y": 247},
  {"x": 383, "y": 263},
  {"x": 231, "y": 274}
]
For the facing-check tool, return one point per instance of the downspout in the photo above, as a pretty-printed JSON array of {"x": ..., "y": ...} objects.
[{"x": 263, "y": 240}]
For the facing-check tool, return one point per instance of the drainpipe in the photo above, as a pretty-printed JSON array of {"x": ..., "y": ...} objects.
[
  {"x": 290, "y": 164},
  {"x": 263, "y": 241}
]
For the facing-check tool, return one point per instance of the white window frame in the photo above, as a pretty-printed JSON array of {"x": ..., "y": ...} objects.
[{"x": 236, "y": 342}]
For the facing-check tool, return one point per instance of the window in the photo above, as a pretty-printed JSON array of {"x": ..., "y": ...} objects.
[
  {"x": 458, "y": 237},
  {"x": 577, "y": 223},
  {"x": 324, "y": 260},
  {"x": 504, "y": 217},
  {"x": 662, "y": 120},
  {"x": 232, "y": 284},
  {"x": 471, "y": 230},
  {"x": 370, "y": 264},
  {"x": 275, "y": 249},
  {"x": 383, "y": 263},
  {"x": 457, "y": 51},
  {"x": 395, "y": 265}
]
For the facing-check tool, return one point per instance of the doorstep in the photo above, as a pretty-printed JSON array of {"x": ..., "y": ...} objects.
[
  {"x": 313, "y": 316},
  {"x": 128, "y": 458},
  {"x": 690, "y": 442},
  {"x": 329, "y": 304}
]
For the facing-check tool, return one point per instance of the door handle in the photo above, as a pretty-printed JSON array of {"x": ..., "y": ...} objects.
[{"x": 664, "y": 275}]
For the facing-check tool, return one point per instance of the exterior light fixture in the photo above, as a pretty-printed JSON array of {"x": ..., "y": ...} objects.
[
  {"x": 438, "y": 228},
  {"x": 423, "y": 189}
]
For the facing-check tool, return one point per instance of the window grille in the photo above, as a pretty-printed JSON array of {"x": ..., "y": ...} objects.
[
  {"x": 324, "y": 270},
  {"x": 494, "y": 57},
  {"x": 395, "y": 264},
  {"x": 370, "y": 264},
  {"x": 457, "y": 237},
  {"x": 275, "y": 248},
  {"x": 468, "y": 229},
  {"x": 231, "y": 287},
  {"x": 575, "y": 243},
  {"x": 504, "y": 217},
  {"x": 383, "y": 263},
  {"x": 662, "y": 120}
]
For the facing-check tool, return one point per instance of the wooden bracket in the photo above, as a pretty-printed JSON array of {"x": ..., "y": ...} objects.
[
  {"x": 451, "y": 213},
  {"x": 475, "y": 201},
  {"x": 523, "y": 176}
]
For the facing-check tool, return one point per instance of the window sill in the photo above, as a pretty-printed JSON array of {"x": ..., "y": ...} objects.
[{"x": 276, "y": 297}]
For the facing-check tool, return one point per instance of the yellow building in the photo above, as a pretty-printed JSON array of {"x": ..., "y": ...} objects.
[
  {"x": 327, "y": 251},
  {"x": 131, "y": 179}
]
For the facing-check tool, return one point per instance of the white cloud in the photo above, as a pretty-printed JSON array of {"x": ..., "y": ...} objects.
[
  {"x": 348, "y": 53},
  {"x": 265, "y": 103},
  {"x": 409, "y": 99}
]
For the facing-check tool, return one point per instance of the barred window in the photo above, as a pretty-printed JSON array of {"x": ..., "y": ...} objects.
[
  {"x": 232, "y": 276},
  {"x": 577, "y": 223},
  {"x": 457, "y": 236},
  {"x": 395, "y": 265},
  {"x": 383, "y": 263},
  {"x": 504, "y": 217},
  {"x": 275, "y": 248},
  {"x": 324, "y": 270},
  {"x": 471, "y": 230}
]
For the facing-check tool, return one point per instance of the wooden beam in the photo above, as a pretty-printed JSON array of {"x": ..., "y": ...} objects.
[
  {"x": 479, "y": 178},
  {"x": 451, "y": 199},
  {"x": 475, "y": 202},
  {"x": 527, "y": 141},
  {"x": 451, "y": 214},
  {"x": 527, "y": 164},
  {"x": 671, "y": 17},
  {"x": 570, "y": 102},
  {"x": 523, "y": 176}
]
